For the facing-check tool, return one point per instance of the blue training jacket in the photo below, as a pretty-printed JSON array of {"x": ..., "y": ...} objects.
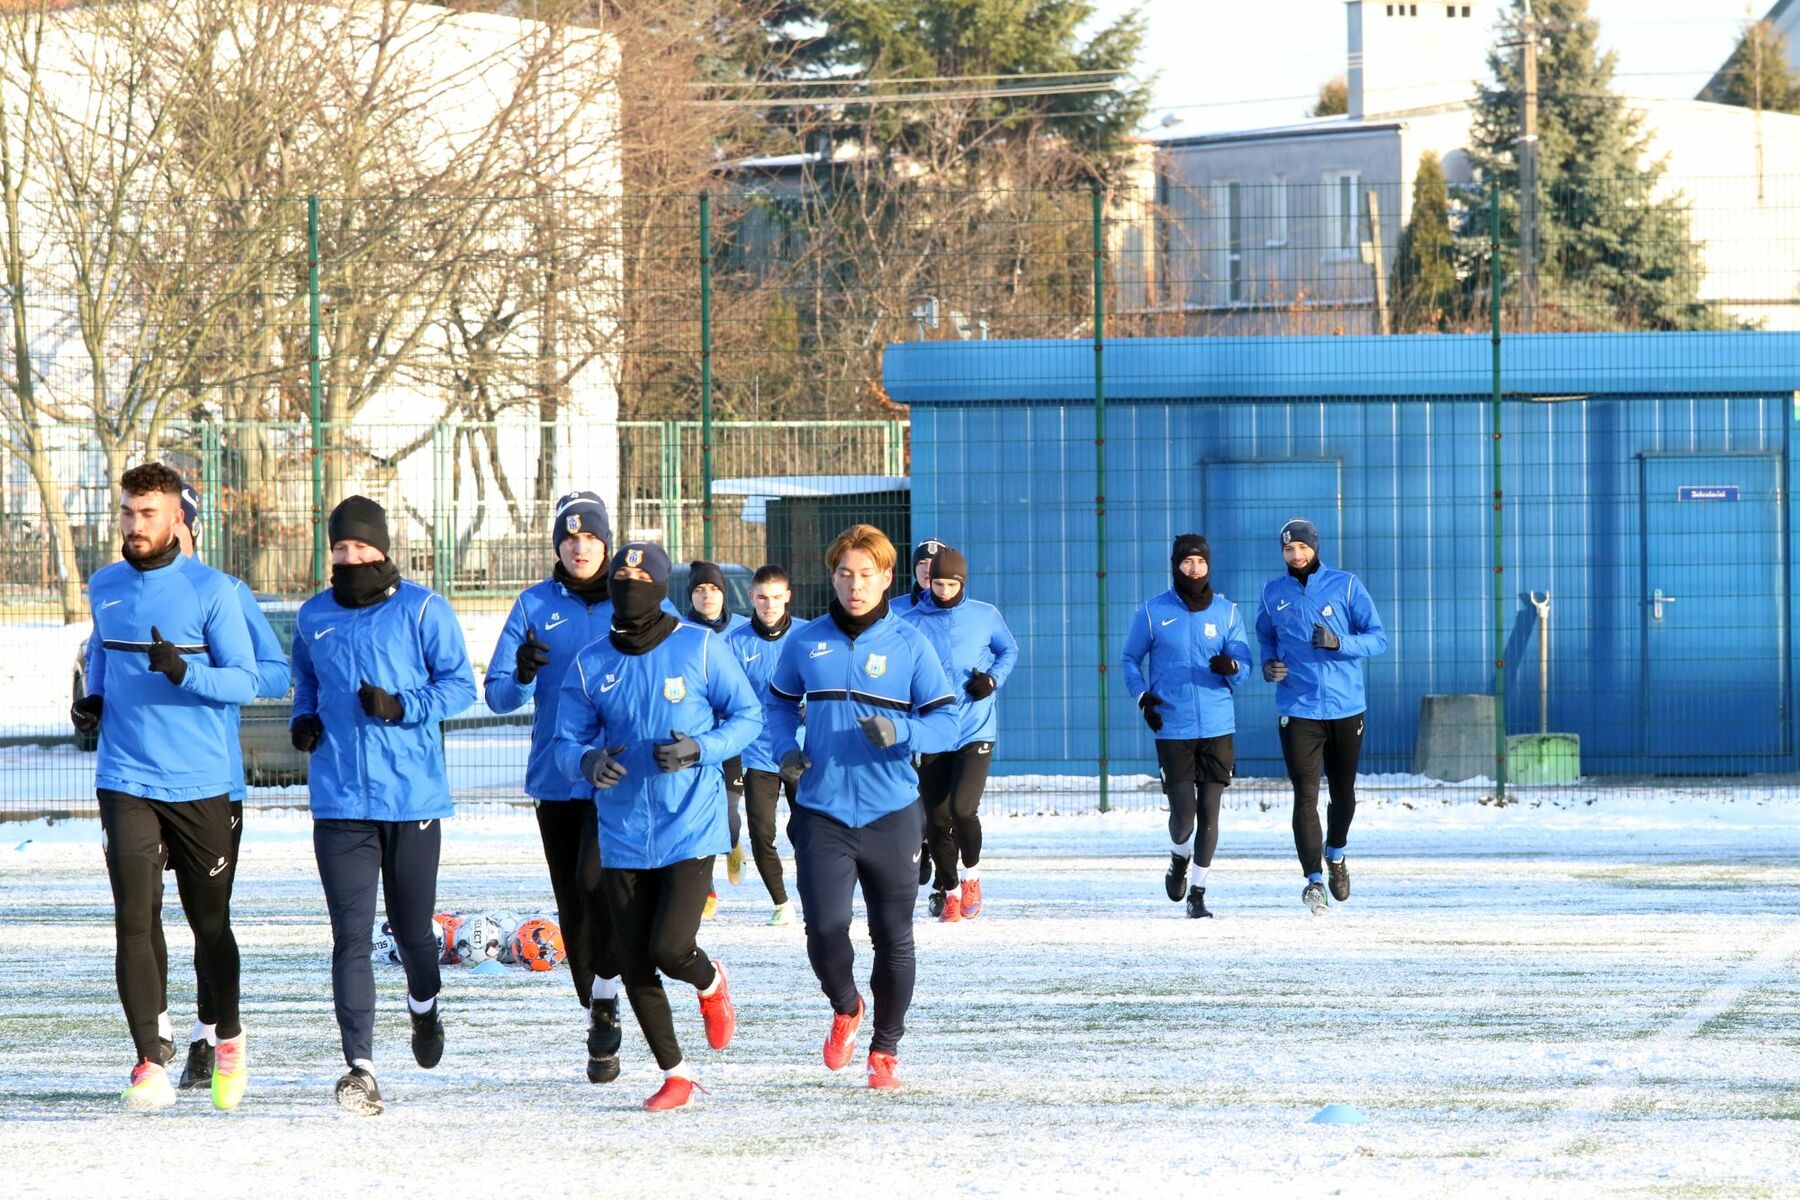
[
  {"x": 1167, "y": 651},
  {"x": 563, "y": 622},
  {"x": 273, "y": 676},
  {"x": 968, "y": 637},
  {"x": 758, "y": 655},
  {"x": 367, "y": 769},
  {"x": 889, "y": 671},
  {"x": 158, "y": 740},
  {"x": 1322, "y": 685},
  {"x": 689, "y": 683}
]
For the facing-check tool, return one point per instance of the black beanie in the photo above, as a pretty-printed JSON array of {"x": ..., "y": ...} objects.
[
  {"x": 925, "y": 550},
  {"x": 361, "y": 519},
  {"x": 705, "y": 572},
  {"x": 580, "y": 512},
  {"x": 1188, "y": 544},
  {"x": 1300, "y": 530}
]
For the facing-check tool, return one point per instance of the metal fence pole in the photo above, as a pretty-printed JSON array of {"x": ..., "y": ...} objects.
[
  {"x": 1099, "y": 242},
  {"x": 1499, "y": 525},
  {"x": 443, "y": 537},
  {"x": 706, "y": 379},
  {"x": 315, "y": 390}
]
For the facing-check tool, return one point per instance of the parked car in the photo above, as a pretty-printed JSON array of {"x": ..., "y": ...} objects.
[{"x": 270, "y": 759}]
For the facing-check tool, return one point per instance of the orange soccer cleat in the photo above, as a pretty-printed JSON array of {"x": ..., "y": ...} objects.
[
  {"x": 717, "y": 1012},
  {"x": 881, "y": 1071},
  {"x": 840, "y": 1044}
]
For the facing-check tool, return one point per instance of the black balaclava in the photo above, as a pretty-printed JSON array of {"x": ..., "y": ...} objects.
[
  {"x": 1196, "y": 594},
  {"x": 949, "y": 564},
  {"x": 1302, "y": 530},
  {"x": 358, "y": 585},
  {"x": 581, "y": 512},
  {"x": 639, "y": 623},
  {"x": 706, "y": 572}
]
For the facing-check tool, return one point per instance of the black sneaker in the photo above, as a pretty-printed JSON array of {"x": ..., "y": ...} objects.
[
  {"x": 1196, "y": 903},
  {"x": 1175, "y": 880},
  {"x": 935, "y": 905},
  {"x": 603, "y": 1040},
  {"x": 357, "y": 1092},
  {"x": 1314, "y": 896},
  {"x": 198, "y": 1071},
  {"x": 925, "y": 866},
  {"x": 1340, "y": 879},
  {"x": 166, "y": 1048},
  {"x": 427, "y": 1037}
]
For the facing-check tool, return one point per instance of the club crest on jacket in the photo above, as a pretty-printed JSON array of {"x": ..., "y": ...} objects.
[
  {"x": 876, "y": 667},
  {"x": 674, "y": 689}
]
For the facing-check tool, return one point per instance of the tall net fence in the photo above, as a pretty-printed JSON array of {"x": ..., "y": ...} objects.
[{"x": 1551, "y": 440}]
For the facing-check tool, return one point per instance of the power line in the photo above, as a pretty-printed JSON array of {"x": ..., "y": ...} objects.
[
  {"x": 910, "y": 98},
  {"x": 825, "y": 81}
]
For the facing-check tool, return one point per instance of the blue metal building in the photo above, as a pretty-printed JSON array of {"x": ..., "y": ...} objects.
[{"x": 1648, "y": 488}]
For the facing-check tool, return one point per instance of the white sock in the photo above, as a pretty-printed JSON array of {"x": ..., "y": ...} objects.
[
  {"x": 420, "y": 1006},
  {"x": 1198, "y": 878},
  {"x": 680, "y": 1071},
  {"x": 164, "y": 1029},
  {"x": 201, "y": 1032},
  {"x": 1185, "y": 849},
  {"x": 712, "y": 988},
  {"x": 607, "y": 989},
  {"x": 969, "y": 873},
  {"x": 363, "y": 1064}
]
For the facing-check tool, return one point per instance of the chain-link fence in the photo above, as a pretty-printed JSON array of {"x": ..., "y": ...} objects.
[{"x": 1552, "y": 439}]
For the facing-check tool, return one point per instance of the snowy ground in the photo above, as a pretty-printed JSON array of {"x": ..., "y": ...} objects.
[{"x": 1596, "y": 1000}]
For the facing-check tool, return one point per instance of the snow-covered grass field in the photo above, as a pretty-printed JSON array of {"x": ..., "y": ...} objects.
[{"x": 1554, "y": 1000}]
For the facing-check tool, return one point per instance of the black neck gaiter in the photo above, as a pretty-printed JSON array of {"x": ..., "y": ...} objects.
[
  {"x": 358, "y": 585},
  {"x": 717, "y": 626},
  {"x": 589, "y": 591},
  {"x": 1196, "y": 594},
  {"x": 1307, "y": 572},
  {"x": 155, "y": 559},
  {"x": 770, "y": 633},
  {"x": 639, "y": 624},
  {"x": 854, "y": 627},
  {"x": 918, "y": 594}
]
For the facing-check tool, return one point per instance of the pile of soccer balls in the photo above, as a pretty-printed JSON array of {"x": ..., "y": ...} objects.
[{"x": 533, "y": 941}]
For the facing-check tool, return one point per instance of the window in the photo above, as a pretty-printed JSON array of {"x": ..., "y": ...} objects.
[
  {"x": 1278, "y": 211},
  {"x": 1343, "y": 212},
  {"x": 1227, "y": 243}
]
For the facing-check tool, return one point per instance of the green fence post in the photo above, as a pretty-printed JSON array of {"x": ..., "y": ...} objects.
[
  {"x": 674, "y": 520},
  {"x": 443, "y": 539},
  {"x": 706, "y": 379},
  {"x": 1099, "y": 240},
  {"x": 1499, "y": 527},
  {"x": 212, "y": 515},
  {"x": 315, "y": 391}
]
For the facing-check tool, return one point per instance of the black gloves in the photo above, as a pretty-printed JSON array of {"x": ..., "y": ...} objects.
[
  {"x": 1148, "y": 703},
  {"x": 980, "y": 685},
  {"x": 880, "y": 731},
  {"x": 1223, "y": 664},
  {"x": 84, "y": 714},
  {"x": 165, "y": 658},
  {"x": 1324, "y": 639},
  {"x": 305, "y": 732},
  {"x": 678, "y": 755},
  {"x": 531, "y": 656},
  {"x": 602, "y": 768},
  {"x": 383, "y": 706},
  {"x": 793, "y": 765},
  {"x": 1274, "y": 670}
]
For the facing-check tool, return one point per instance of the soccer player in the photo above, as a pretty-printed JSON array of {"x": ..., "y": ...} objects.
[
  {"x": 169, "y": 661},
  {"x": 1185, "y": 653},
  {"x": 647, "y": 716},
  {"x": 758, "y": 646},
  {"x": 708, "y": 608},
  {"x": 875, "y": 695},
  {"x": 978, "y": 652},
  {"x": 379, "y": 664},
  {"x": 921, "y": 581},
  {"x": 548, "y": 624},
  {"x": 272, "y": 680},
  {"x": 1315, "y": 624}
]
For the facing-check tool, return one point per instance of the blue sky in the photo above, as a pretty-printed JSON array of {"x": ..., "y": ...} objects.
[{"x": 1234, "y": 64}]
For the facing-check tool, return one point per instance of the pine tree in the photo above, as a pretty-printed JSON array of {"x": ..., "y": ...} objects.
[
  {"x": 1757, "y": 74},
  {"x": 1613, "y": 254},
  {"x": 1425, "y": 284}
]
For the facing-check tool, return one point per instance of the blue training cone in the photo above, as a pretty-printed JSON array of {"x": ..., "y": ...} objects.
[
  {"x": 490, "y": 966},
  {"x": 1339, "y": 1114}
]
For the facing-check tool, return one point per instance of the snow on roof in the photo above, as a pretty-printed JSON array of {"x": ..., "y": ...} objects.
[{"x": 758, "y": 490}]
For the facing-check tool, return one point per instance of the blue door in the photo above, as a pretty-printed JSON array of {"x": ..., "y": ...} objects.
[
  {"x": 1246, "y": 504},
  {"x": 1713, "y": 609}
]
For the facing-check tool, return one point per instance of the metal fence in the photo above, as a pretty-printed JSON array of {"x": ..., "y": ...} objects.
[{"x": 1562, "y": 468}]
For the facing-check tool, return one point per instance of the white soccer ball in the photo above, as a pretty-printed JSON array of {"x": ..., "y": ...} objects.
[
  {"x": 508, "y": 921},
  {"x": 386, "y": 950},
  {"x": 479, "y": 938}
]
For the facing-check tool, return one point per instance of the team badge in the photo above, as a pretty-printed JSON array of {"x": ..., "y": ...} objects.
[
  {"x": 1326, "y": 611},
  {"x": 876, "y": 667},
  {"x": 1284, "y": 722},
  {"x": 934, "y": 547},
  {"x": 674, "y": 689},
  {"x": 572, "y": 522},
  {"x": 633, "y": 557},
  {"x": 1212, "y": 630}
]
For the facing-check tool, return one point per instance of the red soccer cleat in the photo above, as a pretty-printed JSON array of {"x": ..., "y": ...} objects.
[
  {"x": 675, "y": 1092},
  {"x": 971, "y": 899},
  {"x": 952, "y": 908},
  {"x": 717, "y": 1012},
  {"x": 840, "y": 1044},
  {"x": 881, "y": 1071}
]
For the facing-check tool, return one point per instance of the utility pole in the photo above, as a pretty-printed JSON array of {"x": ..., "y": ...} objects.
[
  {"x": 1756, "y": 71},
  {"x": 1528, "y": 173}
]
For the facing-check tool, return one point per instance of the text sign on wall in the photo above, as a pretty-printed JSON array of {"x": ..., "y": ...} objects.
[{"x": 1694, "y": 491}]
